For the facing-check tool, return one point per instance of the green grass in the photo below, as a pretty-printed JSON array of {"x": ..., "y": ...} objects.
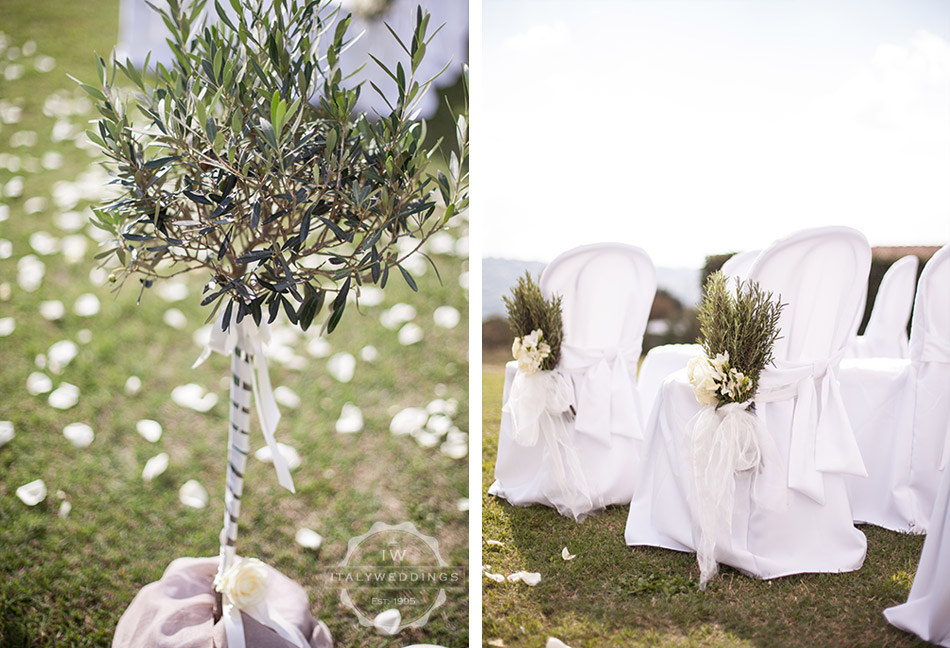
[
  {"x": 66, "y": 581},
  {"x": 614, "y": 595}
]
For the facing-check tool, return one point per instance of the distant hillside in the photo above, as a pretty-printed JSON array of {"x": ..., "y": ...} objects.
[{"x": 498, "y": 275}]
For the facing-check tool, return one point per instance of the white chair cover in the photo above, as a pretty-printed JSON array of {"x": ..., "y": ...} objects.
[
  {"x": 926, "y": 611},
  {"x": 666, "y": 359},
  {"x": 141, "y": 30},
  {"x": 885, "y": 336},
  {"x": 607, "y": 290},
  {"x": 900, "y": 411},
  {"x": 793, "y": 514}
]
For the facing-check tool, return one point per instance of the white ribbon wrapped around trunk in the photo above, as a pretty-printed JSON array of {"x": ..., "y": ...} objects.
[
  {"x": 723, "y": 442},
  {"x": 263, "y": 614},
  {"x": 540, "y": 408},
  {"x": 607, "y": 400},
  {"x": 822, "y": 440}
]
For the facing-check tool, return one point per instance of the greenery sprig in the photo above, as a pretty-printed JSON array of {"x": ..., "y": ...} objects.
[
  {"x": 529, "y": 311},
  {"x": 738, "y": 331},
  {"x": 251, "y": 164}
]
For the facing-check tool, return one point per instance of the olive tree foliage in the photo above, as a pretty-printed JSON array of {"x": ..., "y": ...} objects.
[{"x": 244, "y": 158}]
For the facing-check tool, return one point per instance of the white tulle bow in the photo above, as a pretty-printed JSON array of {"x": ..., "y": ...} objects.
[
  {"x": 540, "y": 406},
  {"x": 251, "y": 338},
  {"x": 607, "y": 400}
]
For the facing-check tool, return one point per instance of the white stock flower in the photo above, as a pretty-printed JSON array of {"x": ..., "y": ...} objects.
[
  {"x": 702, "y": 377},
  {"x": 531, "y": 339},
  {"x": 244, "y": 583}
]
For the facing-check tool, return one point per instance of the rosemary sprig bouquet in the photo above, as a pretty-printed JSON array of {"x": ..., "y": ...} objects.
[
  {"x": 537, "y": 325},
  {"x": 738, "y": 332}
]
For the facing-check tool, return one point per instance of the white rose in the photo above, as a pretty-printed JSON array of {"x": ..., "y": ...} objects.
[
  {"x": 701, "y": 375},
  {"x": 244, "y": 583},
  {"x": 516, "y": 348}
]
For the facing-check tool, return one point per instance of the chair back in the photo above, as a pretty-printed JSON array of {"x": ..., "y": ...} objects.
[
  {"x": 886, "y": 331},
  {"x": 821, "y": 275},
  {"x": 930, "y": 329}
]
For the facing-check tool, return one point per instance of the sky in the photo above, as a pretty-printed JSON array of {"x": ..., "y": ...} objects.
[{"x": 696, "y": 127}]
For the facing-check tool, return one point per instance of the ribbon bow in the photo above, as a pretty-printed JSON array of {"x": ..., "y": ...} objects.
[
  {"x": 607, "y": 400},
  {"x": 822, "y": 440},
  {"x": 248, "y": 336}
]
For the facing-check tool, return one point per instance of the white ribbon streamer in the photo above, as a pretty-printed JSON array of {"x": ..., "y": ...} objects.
[
  {"x": 248, "y": 336},
  {"x": 822, "y": 440},
  {"x": 724, "y": 442},
  {"x": 540, "y": 408},
  {"x": 263, "y": 614},
  {"x": 607, "y": 400}
]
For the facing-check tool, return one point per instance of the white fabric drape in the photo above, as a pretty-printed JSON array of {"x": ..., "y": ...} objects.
[
  {"x": 792, "y": 515},
  {"x": 606, "y": 290},
  {"x": 900, "y": 410},
  {"x": 885, "y": 336}
]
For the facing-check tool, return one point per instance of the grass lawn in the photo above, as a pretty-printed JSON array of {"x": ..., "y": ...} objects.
[
  {"x": 66, "y": 577},
  {"x": 614, "y": 595}
]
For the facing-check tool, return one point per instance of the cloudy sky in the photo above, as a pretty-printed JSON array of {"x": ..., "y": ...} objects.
[{"x": 694, "y": 127}]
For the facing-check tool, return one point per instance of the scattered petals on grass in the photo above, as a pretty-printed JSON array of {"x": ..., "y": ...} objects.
[
  {"x": 318, "y": 347},
  {"x": 369, "y": 353},
  {"x": 407, "y": 421},
  {"x": 462, "y": 504},
  {"x": 396, "y": 315},
  {"x": 194, "y": 397},
  {"x": 410, "y": 333},
  {"x": 342, "y": 366},
  {"x": 155, "y": 466},
  {"x": 175, "y": 319},
  {"x": 371, "y": 296},
  {"x": 426, "y": 439},
  {"x": 495, "y": 543},
  {"x": 86, "y": 305},
  {"x": 7, "y": 326},
  {"x": 351, "y": 419},
  {"x": 496, "y": 643},
  {"x": 289, "y": 453},
  {"x": 6, "y": 432},
  {"x": 172, "y": 291},
  {"x": 74, "y": 248},
  {"x": 6, "y": 249},
  {"x": 554, "y": 642},
  {"x": 567, "y": 555},
  {"x": 455, "y": 448},
  {"x": 446, "y": 317},
  {"x": 64, "y": 396},
  {"x": 84, "y": 336},
  {"x": 308, "y": 538},
  {"x": 441, "y": 406},
  {"x": 387, "y": 622},
  {"x": 60, "y": 354},
  {"x": 30, "y": 271},
  {"x": 498, "y": 578},
  {"x": 439, "y": 424},
  {"x": 193, "y": 494},
  {"x": 64, "y": 508},
  {"x": 52, "y": 310},
  {"x": 150, "y": 430},
  {"x": 133, "y": 385},
  {"x": 33, "y": 493},
  {"x": 79, "y": 434},
  {"x": 528, "y": 578},
  {"x": 287, "y": 397},
  {"x": 44, "y": 243}
]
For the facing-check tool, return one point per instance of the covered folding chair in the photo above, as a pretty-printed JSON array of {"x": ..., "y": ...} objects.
[
  {"x": 900, "y": 411},
  {"x": 666, "y": 359},
  {"x": 885, "y": 336},
  {"x": 590, "y": 462},
  {"x": 792, "y": 514}
]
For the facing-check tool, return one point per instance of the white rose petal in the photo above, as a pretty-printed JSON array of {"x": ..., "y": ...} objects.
[
  {"x": 454, "y": 450},
  {"x": 407, "y": 421},
  {"x": 318, "y": 347},
  {"x": 396, "y": 315},
  {"x": 441, "y": 243},
  {"x": 70, "y": 221},
  {"x": 289, "y": 453},
  {"x": 14, "y": 187},
  {"x": 133, "y": 385},
  {"x": 463, "y": 280},
  {"x": 64, "y": 509},
  {"x": 442, "y": 406},
  {"x": 150, "y": 430},
  {"x": 6, "y": 432},
  {"x": 155, "y": 466},
  {"x": 84, "y": 336},
  {"x": 439, "y": 424},
  {"x": 462, "y": 504},
  {"x": 342, "y": 366},
  {"x": 496, "y": 643},
  {"x": 193, "y": 494},
  {"x": 44, "y": 63},
  {"x": 194, "y": 396},
  {"x": 64, "y": 396},
  {"x": 51, "y": 160},
  {"x": 33, "y": 493},
  {"x": 61, "y": 354},
  {"x": 74, "y": 248},
  {"x": 498, "y": 578},
  {"x": 172, "y": 291},
  {"x": 86, "y": 305},
  {"x": 528, "y": 578},
  {"x": 351, "y": 419},
  {"x": 287, "y": 397},
  {"x": 6, "y": 249},
  {"x": 7, "y": 326},
  {"x": 446, "y": 317},
  {"x": 426, "y": 439},
  {"x": 52, "y": 310},
  {"x": 495, "y": 543},
  {"x": 308, "y": 538},
  {"x": 44, "y": 243},
  {"x": 369, "y": 353},
  {"x": 79, "y": 434},
  {"x": 410, "y": 334},
  {"x": 387, "y": 622},
  {"x": 370, "y": 296},
  {"x": 567, "y": 555},
  {"x": 554, "y": 642},
  {"x": 30, "y": 271},
  {"x": 202, "y": 336}
]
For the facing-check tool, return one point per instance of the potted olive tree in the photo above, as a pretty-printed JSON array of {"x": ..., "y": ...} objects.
[{"x": 244, "y": 160}]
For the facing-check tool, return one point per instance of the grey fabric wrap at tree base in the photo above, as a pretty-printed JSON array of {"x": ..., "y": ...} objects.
[{"x": 176, "y": 612}]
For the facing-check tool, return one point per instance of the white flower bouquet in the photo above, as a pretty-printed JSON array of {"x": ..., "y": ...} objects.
[
  {"x": 738, "y": 331},
  {"x": 536, "y": 323}
]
